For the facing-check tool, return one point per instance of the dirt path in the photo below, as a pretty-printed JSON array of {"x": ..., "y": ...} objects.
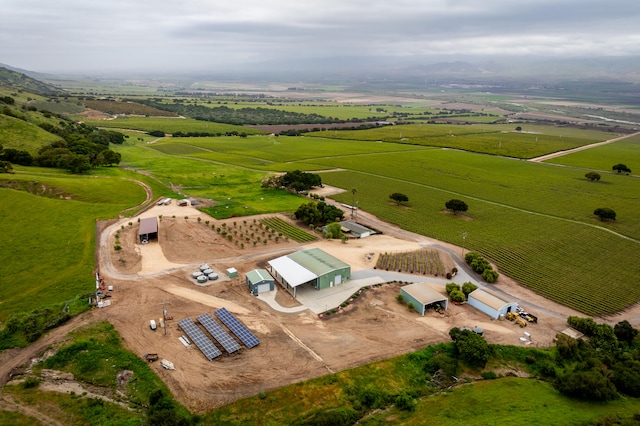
[
  {"x": 580, "y": 148},
  {"x": 13, "y": 358},
  {"x": 8, "y": 403}
]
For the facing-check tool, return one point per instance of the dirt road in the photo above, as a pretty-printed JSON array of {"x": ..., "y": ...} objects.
[{"x": 580, "y": 148}]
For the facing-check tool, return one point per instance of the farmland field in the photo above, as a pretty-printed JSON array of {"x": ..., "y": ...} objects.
[
  {"x": 496, "y": 140},
  {"x": 606, "y": 156},
  {"x": 586, "y": 264},
  {"x": 578, "y": 265},
  {"x": 170, "y": 125},
  {"x": 288, "y": 230}
]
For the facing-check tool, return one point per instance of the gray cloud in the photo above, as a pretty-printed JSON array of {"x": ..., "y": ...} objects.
[{"x": 211, "y": 34}]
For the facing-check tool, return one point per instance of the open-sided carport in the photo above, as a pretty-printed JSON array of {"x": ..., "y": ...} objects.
[
  {"x": 148, "y": 229},
  {"x": 422, "y": 296}
]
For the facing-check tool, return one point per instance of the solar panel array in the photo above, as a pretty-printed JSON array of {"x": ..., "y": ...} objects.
[
  {"x": 237, "y": 328},
  {"x": 196, "y": 335},
  {"x": 218, "y": 333}
]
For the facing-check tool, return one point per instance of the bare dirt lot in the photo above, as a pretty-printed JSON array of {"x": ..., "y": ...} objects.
[{"x": 293, "y": 347}]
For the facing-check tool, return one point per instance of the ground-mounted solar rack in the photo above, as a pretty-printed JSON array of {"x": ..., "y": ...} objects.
[
  {"x": 206, "y": 346},
  {"x": 237, "y": 328},
  {"x": 218, "y": 333}
]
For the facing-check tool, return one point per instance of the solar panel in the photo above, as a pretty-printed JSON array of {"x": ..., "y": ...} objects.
[
  {"x": 196, "y": 335},
  {"x": 237, "y": 328},
  {"x": 218, "y": 333}
]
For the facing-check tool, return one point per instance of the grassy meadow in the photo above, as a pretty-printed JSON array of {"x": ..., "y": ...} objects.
[{"x": 49, "y": 238}]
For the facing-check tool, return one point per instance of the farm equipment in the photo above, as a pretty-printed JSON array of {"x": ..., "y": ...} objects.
[
  {"x": 521, "y": 321},
  {"x": 511, "y": 316},
  {"x": 438, "y": 308},
  {"x": 151, "y": 357}
]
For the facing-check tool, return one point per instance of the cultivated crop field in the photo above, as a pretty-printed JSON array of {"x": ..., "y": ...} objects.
[
  {"x": 288, "y": 230},
  {"x": 576, "y": 264},
  {"x": 585, "y": 264},
  {"x": 606, "y": 156},
  {"x": 496, "y": 140},
  {"x": 170, "y": 125},
  {"x": 420, "y": 262},
  {"x": 271, "y": 153}
]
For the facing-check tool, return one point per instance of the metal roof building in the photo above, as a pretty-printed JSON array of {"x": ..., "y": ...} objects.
[
  {"x": 259, "y": 281},
  {"x": 356, "y": 229},
  {"x": 148, "y": 229},
  {"x": 423, "y": 295},
  {"x": 311, "y": 266},
  {"x": 490, "y": 304}
]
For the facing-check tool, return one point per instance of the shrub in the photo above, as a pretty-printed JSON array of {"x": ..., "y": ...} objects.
[
  {"x": 400, "y": 298},
  {"x": 490, "y": 276},
  {"x": 405, "y": 402},
  {"x": 489, "y": 375},
  {"x": 450, "y": 287},
  {"x": 411, "y": 306}
]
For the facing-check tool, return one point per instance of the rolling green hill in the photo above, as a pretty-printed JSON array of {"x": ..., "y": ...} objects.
[{"x": 20, "y": 82}]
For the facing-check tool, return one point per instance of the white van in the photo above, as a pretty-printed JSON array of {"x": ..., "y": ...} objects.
[{"x": 152, "y": 324}]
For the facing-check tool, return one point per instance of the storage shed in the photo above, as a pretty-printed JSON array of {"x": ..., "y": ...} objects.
[
  {"x": 312, "y": 266},
  {"x": 423, "y": 296},
  {"x": 490, "y": 304},
  {"x": 148, "y": 229},
  {"x": 259, "y": 281},
  {"x": 232, "y": 273},
  {"x": 355, "y": 229}
]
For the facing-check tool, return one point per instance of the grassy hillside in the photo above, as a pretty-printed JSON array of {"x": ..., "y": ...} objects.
[
  {"x": 22, "y": 135},
  {"x": 51, "y": 241},
  {"x": 16, "y": 81}
]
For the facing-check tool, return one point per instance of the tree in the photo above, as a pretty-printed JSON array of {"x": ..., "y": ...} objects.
[
  {"x": 457, "y": 296},
  {"x": 518, "y": 129},
  {"x": 621, "y": 168},
  {"x": 399, "y": 198},
  {"x": 468, "y": 287},
  {"x": 334, "y": 230},
  {"x": 625, "y": 332},
  {"x": 471, "y": 347},
  {"x": 605, "y": 213},
  {"x": 592, "y": 176},
  {"x": 456, "y": 206}
]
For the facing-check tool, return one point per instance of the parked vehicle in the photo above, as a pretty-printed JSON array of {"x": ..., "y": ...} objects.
[{"x": 152, "y": 325}]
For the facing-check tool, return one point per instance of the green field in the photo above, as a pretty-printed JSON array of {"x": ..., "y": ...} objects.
[
  {"x": 18, "y": 134},
  {"x": 500, "y": 140},
  {"x": 604, "y": 157},
  {"x": 170, "y": 125},
  {"x": 50, "y": 239},
  {"x": 585, "y": 264}
]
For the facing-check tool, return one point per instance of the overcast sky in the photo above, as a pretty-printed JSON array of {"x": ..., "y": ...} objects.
[{"x": 197, "y": 35}]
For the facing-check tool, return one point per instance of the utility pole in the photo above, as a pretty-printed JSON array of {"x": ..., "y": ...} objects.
[{"x": 164, "y": 316}]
